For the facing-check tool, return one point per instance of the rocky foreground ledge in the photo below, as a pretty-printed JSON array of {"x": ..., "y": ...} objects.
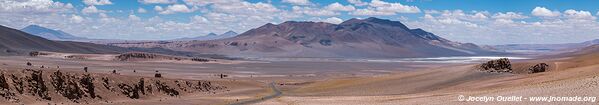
[{"x": 35, "y": 86}]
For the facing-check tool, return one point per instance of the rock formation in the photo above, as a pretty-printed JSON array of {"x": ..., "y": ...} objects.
[
  {"x": 541, "y": 67},
  {"x": 499, "y": 65},
  {"x": 80, "y": 87}
]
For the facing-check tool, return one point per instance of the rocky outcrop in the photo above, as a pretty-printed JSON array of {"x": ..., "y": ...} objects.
[
  {"x": 498, "y": 65},
  {"x": 199, "y": 59},
  {"x": 541, "y": 67},
  {"x": 161, "y": 86},
  {"x": 79, "y": 87},
  {"x": 37, "y": 53},
  {"x": 5, "y": 89},
  {"x": 141, "y": 55},
  {"x": 132, "y": 91},
  {"x": 37, "y": 86}
]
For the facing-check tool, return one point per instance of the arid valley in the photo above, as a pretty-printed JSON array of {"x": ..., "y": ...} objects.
[{"x": 298, "y": 52}]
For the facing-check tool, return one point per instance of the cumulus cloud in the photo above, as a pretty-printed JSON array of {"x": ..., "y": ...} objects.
[
  {"x": 544, "y": 12},
  {"x": 158, "y": 8},
  {"x": 508, "y": 27},
  {"x": 141, "y": 10},
  {"x": 298, "y": 2},
  {"x": 333, "y": 20},
  {"x": 91, "y": 9},
  {"x": 313, "y": 11},
  {"x": 509, "y": 15},
  {"x": 157, "y": 1},
  {"x": 579, "y": 15},
  {"x": 206, "y": 2},
  {"x": 479, "y": 15},
  {"x": 176, "y": 8},
  {"x": 245, "y": 8},
  {"x": 357, "y": 2},
  {"x": 134, "y": 18},
  {"x": 377, "y": 7},
  {"x": 34, "y": 6},
  {"x": 339, "y": 7},
  {"x": 97, "y": 2},
  {"x": 76, "y": 19}
]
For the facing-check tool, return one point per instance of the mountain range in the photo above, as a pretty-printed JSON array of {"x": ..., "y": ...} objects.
[
  {"x": 50, "y": 33},
  {"x": 355, "y": 38},
  {"x": 210, "y": 36},
  {"x": 16, "y": 42},
  {"x": 536, "y": 48}
]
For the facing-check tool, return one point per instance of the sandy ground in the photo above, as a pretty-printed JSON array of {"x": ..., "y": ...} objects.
[
  {"x": 568, "y": 77},
  {"x": 246, "y": 80},
  {"x": 351, "y": 83}
]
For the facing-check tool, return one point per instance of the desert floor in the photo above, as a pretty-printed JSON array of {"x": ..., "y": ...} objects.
[
  {"x": 345, "y": 83},
  {"x": 247, "y": 80}
]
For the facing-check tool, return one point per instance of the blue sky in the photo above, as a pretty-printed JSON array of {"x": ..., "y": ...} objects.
[{"x": 473, "y": 21}]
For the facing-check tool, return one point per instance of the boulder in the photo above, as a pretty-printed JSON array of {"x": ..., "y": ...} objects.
[
  {"x": 541, "y": 67},
  {"x": 498, "y": 65}
]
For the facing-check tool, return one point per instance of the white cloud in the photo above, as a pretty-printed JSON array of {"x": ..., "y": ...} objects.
[
  {"x": 157, "y": 1},
  {"x": 377, "y": 7},
  {"x": 298, "y": 2},
  {"x": 333, "y": 20},
  {"x": 34, "y": 6},
  {"x": 97, "y": 2},
  {"x": 91, "y": 9},
  {"x": 509, "y": 15},
  {"x": 357, "y": 2},
  {"x": 141, "y": 10},
  {"x": 206, "y": 2},
  {"x": 371, "y": 12},
  {"x": 579, "y": 15},
  {"x": 479, "y": 15},
  {"x": 461, "y": 26},
  {"x": 199, "y": 19},
  {"x": 428, "y": 17},
  {"x": 393, "y": 7},
  {"x": 432, "y": 12},
  {"x": 103, "y": 15},
  {"x": 339, "y": 7},
  {"x": 134, "y": 18},
  {"x": 158, "y": 8},
  {"x": 313, "y": 11},
  {"x": 544, "y": 12},
  {"x": 246, "y": 8},
  {"x": 176, "y": 8},
  {"x": 76, "y": 19}
]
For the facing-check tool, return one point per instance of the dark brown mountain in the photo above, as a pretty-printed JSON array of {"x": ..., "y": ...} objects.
[
  {"x": 371, "y": 37},
  {"x": 16, "y": 42}
]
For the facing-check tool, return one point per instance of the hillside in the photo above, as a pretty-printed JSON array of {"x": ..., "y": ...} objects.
[
  {"x": 355, "y": 38},
  {"x": 50, "y": 33},
  {"x": 15, "y": 42},
  {"x": 211, "y": 36}
]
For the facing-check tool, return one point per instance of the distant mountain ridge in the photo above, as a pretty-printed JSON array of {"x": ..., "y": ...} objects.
[
  {"x": 210, "y": 36},
  {"x": 16, "y": 42},
  {"x": 50, "y": 33},
  {"x": 534, "y": 48},
  {"x": 358, "y": 38}
]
